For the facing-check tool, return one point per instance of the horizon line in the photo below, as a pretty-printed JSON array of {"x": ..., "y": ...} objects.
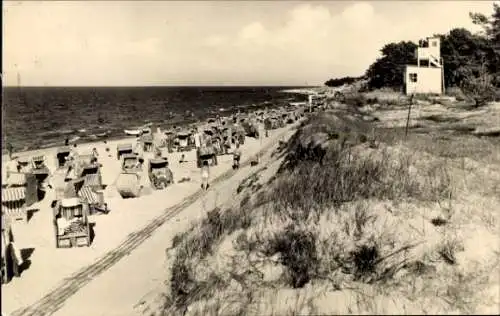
[{"x": 161, "y": 86}]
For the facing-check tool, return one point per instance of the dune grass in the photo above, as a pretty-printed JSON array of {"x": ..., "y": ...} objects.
[{"x": 348, "y": 207}]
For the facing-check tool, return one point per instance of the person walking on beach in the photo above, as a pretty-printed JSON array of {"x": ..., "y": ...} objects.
[
  {"x": 183, "y": 159},
  {"x": 205, "y": 173},
  {"x": 73, "y": 153},
  {"x": 227, "y": 144},
  {"x": 197, "y": 139},
  {"x": 236, "y": 157},
  {"x": 10, "y": 149}
]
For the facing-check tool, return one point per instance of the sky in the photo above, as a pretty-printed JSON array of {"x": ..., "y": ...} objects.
[{"x": 140, "y": 43}]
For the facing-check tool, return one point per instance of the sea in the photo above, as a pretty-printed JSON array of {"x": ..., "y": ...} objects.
[{"x": 41, "y": 117}]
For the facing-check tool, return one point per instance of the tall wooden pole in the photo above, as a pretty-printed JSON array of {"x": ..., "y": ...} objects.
[{"x": 408, "y": 118}]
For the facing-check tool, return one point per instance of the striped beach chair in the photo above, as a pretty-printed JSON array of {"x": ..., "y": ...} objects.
[
  {"x": 85, "y": 159},
  {"x": 14, "y": 204},
  {"x": 93, "y": 180},
  {"x": 94, "y": 199},
  {"x": 24, "y": 180},
  {"x": 90, "y": 169},
  {"x": 67, "y": 189},
  {"x": 38, "y": 162},
  {"x": 15, "y": 179},
  {"x": 61, "y": 156},
  {"x": 39, "y": 168},
  {"x": 122, "y": 149},
  {"x": 71, "y": 225},
  {"x": 24, "y": 163},
  {"x": 147, "y": 142},
  {"x": 90, "y": 196}
]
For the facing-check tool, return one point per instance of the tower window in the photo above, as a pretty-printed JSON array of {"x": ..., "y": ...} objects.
[
  {"x": 413, "y": 77},
  {"x": 434, "y": 43}
]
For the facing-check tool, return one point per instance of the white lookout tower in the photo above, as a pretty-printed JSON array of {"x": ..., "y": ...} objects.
[{"x": 428, "y": 75}]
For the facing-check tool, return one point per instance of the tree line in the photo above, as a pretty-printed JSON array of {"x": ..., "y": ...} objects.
[
  {"x": 337, "y": 82},
  {"x": 469, "y": 59}
]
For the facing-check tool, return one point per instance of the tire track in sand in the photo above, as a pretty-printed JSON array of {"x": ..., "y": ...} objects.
[{"x": 54, "y": 300}]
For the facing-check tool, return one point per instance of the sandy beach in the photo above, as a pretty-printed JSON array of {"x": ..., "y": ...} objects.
[
  {"x": 171, "y": 159},
  {"x": 51, "y": 267}
]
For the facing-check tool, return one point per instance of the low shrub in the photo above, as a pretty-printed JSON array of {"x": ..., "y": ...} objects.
[
  {"x": 297, "y": 249},
  {"x": 479, "y": 89},
  {"x": 181, "y": 282},
  {"x": 365, "y": 259},
  {"x": 356, "y": 100}
]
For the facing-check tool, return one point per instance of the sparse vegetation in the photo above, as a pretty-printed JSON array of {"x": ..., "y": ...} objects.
[
  {"x": 297, "y": 250},
  {"x": 479, "y": 87},
  {"x": 338, "y": 212},
  {"x": 356, "y": 99}
]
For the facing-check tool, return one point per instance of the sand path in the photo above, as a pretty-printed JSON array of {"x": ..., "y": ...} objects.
[{"x": 112, "y": 286}]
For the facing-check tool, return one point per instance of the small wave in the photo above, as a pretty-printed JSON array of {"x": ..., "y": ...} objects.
[
  {"x": 103, "y": 134},
  {"x": 57, "y": 132},
  {"x": 51, "y": 144},
  {"x": 74, "y": 139}
]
